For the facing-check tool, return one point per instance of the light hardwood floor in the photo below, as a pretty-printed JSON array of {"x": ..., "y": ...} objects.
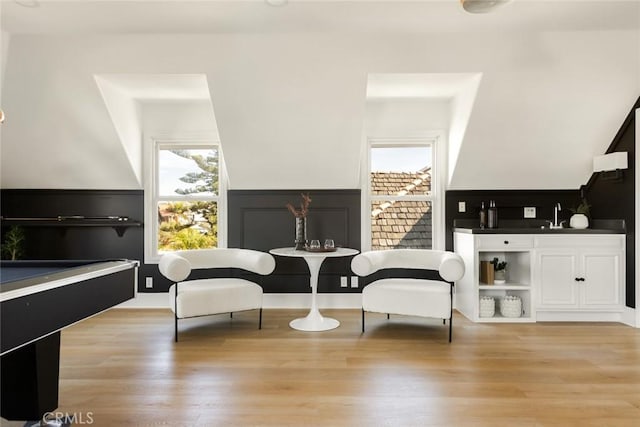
[{"x": 124, "y": 369}]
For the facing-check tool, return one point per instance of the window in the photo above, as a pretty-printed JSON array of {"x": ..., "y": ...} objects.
[
  {"x": 185, "y": 208},
  {"x": 402, "y": 194}
]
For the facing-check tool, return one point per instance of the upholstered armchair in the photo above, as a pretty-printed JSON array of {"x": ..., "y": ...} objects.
[
  {"x": 410, "y": 296},
  {"x": 204, "y": 297}
]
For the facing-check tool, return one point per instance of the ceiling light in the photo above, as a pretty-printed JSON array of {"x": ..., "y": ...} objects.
[{"x": 482, "y": 6}]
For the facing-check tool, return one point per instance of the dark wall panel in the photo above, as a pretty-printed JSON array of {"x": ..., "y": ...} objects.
[
  {"x": 55, "y": 242},
  {"x": 617, "y": 196},
  {"x": 259, "y": 219},
  {"x": 510, "y": 204}
]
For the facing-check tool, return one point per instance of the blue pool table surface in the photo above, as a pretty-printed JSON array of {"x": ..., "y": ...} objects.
[{"x": 11, "y": 271}]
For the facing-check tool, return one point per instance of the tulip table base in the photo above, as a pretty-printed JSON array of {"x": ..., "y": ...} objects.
[{"x": 314, "y": 321}]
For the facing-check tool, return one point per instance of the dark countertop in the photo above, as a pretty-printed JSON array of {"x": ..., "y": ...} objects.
[{"x": 606, "y": 226}]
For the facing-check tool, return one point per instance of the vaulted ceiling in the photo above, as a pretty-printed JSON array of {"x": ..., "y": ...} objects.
[
  {"x": 305, "y": 16},
  {"x": 533, "y": 91}
]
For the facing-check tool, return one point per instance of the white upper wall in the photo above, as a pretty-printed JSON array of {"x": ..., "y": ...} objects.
[
  {"x": 290, "y": 107},
  {"x": 290, "y": 110},
  {"x": 4, "y": 48},
  {"x": 389, "y": 118},
  {"x": 167, "y": 119},
  {"x": 541, "y": 115}
]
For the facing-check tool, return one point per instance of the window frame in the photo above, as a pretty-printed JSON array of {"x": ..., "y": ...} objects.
[
  {"x": 152, "y": 196},
  {"x": 436, "y": 196}
]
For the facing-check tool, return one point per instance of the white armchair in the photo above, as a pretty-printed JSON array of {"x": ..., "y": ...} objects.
[
  {"x": 409, "y": 296},
  {"x": 203, "y": 297}
]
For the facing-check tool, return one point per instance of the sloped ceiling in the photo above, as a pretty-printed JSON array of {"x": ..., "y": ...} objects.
[
  {"x": 288, "y": 85},
  {"x": 123, "y": 95}
]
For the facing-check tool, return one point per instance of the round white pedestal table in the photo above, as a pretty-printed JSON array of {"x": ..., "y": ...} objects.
[{"x": 314, "y": 321}]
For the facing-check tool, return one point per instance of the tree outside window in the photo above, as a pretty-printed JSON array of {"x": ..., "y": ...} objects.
[{"x": 187, "y": 203}]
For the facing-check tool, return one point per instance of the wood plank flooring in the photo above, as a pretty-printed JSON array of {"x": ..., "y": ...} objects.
[{"x": 124, "y": 369}]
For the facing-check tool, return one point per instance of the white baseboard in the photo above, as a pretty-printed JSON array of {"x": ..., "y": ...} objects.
[
  {"x": 304, "y": 300},
  {"x": 629, "y": 317},
  {"x": 569, "y": 316},
  {"x": 354, "y": 301},
  {"x": 161, "y": 300},
  {"x": 147, "y": 300}
]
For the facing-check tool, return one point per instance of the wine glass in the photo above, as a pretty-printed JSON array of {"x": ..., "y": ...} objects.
[
  {"x": 329, "y": 244},
  {"x": 314, "y": 245}
]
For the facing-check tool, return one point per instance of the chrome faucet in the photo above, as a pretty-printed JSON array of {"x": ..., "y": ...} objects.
[{"x": 557, "y": 208}]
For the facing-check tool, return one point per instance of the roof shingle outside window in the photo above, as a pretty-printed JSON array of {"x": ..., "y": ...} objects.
[{"x": 401, "y": 224}]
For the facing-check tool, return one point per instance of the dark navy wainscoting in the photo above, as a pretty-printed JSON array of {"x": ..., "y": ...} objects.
[
  {"x": 616, "y": 197},
  {"x": 259, "y": 219},
  {"x": 510, "y": 204},
  {"x": 54, "y": 242}
]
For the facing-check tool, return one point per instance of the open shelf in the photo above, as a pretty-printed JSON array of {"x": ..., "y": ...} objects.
[
  {"x": 120, "y": 226},
  {"x": 498, "y": 293},
  {"x": 471, "y": 292},
  {"x": 506, "y": 286},
  {"x": 498, "y": 318}
]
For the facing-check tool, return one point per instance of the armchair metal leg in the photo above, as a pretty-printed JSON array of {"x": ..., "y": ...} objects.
[
  {"x": 451, "y": 311},
  {"x": 388, "y": 316},
  {"x": 230, "y": 315},
  {"x": 175, "y": 328},
  {"x": 175, "y": 314},
  {"x": 260, "y": 319},
  {"x": 363, "y": 320}
]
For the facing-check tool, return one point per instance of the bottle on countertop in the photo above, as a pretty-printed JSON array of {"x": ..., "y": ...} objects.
[
  {"x": 483, "y": 216},
  {"x": 492, "y": 215}
]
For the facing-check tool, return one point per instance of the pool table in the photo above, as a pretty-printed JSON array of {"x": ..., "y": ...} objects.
[{"x": 37, "y": 300}]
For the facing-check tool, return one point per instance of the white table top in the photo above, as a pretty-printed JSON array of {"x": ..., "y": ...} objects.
[{"x": 292, "y": 252}]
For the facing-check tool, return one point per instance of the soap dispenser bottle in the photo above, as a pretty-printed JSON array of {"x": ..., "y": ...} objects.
[
  {"x": 492, "y": 215},
  {"x": 483, "y": 216}
]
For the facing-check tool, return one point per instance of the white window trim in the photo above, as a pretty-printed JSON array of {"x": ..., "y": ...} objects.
[
  {"x": 436, "y": 140},
  {"x": 151, "y": 255}
]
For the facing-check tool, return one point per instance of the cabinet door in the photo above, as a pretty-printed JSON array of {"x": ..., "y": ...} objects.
[
  {"x": 601, "y": 285},
  {"x": 556, "y": 277}
]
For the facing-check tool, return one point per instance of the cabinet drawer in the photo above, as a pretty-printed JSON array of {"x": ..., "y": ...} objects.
[
  {"x": 573, "y": 241},
  {"x": 505, "y": 241}
]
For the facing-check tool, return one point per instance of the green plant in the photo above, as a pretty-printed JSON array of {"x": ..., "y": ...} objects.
[
  {"x": 582, "y": 208},
  {"x": 187, "y": 225},
  {"x": 12, "y": 247},
  {"x": 498, "y": 265}
]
